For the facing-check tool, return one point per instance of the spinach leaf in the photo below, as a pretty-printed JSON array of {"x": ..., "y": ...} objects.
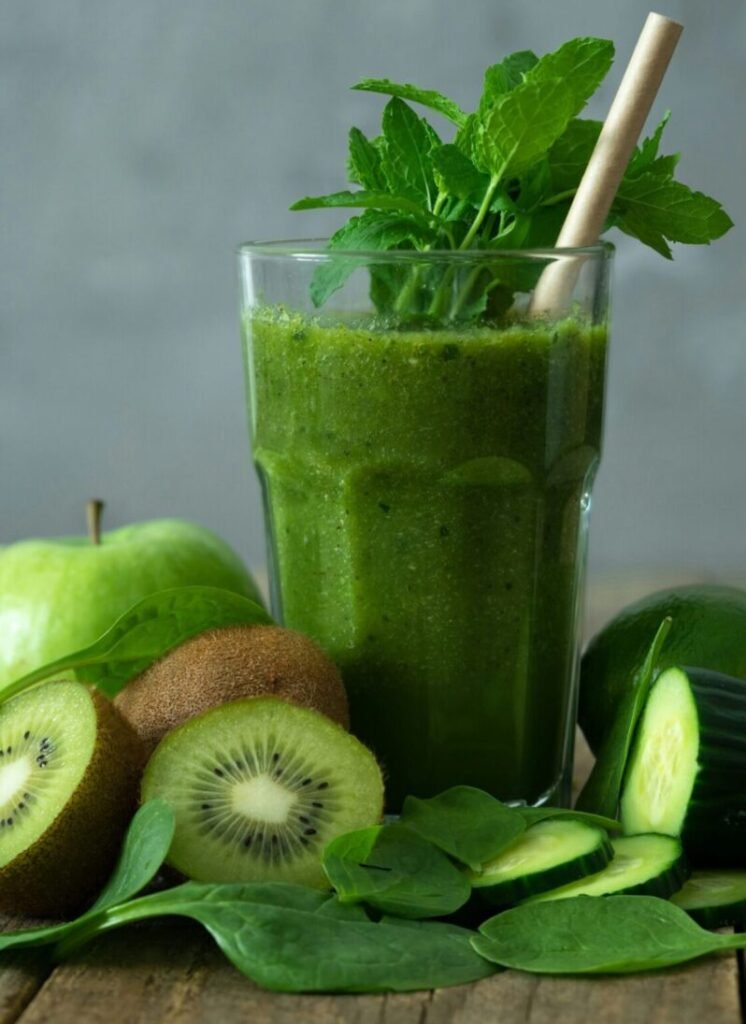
[
  {"x": 396, "y": 871},
  {"x": 427, "y": 97},
  {"x": 536, "y": 814},
  {"x": 465, "y": 822},
  {"x": 597, "y": 934},
  {"x": 144, "y": 850},
  {"x": 601, "y": 792},
  {"x": 149, "y": 629},
  {"x": 291, "y": 939}
]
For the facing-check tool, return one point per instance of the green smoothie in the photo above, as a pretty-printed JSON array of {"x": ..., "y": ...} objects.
[{"x": 426, "y": 494}]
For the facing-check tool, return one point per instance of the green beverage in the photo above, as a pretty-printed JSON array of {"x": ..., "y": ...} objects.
[
  {"x": 426, "y": 390},
  {"x": 425, "y": 495}
]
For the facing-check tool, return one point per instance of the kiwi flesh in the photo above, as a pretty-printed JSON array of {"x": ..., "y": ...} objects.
[
  {"x": 258, "y": 787},
  {"x": 69, "y": 772},
  {"x": 227, "y": 664}
]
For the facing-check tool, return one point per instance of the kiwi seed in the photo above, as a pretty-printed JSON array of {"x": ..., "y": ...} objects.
[
  {"x": 224, "y": 665},
  {"x": 258, "y": 787},
  {"x": 69, "y": 774}
]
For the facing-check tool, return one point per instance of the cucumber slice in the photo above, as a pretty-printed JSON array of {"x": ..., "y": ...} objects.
[
  {"x": 687, "y": 772},
  {"x": 548, "y": 854},
  {"x": 715, "y": 899},
  {"x": 649, "y": 865}
]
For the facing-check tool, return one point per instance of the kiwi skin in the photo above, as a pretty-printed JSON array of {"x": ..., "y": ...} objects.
[
  {"x": 67, "y": 866},
  {"x": 228, "y": 664}
]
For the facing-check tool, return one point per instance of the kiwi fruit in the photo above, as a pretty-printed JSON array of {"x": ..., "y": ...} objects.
[
  {"x": 227, "y": 664},
  {"x": 258, "y": 787},
  {"x": 70, "y": 767}
]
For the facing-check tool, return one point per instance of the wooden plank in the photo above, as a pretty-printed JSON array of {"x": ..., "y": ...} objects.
[
  {"x": 21, "y": 976},
  {"x": 174, "y": 975}
]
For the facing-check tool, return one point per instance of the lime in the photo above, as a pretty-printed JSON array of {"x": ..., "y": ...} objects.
[{"x": 708, "y": 631}]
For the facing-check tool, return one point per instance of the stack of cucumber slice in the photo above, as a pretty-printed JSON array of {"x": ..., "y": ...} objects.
[{"x": 683, "y": 801}]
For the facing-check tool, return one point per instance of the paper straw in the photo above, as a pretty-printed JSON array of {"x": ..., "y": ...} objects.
[{"x": 611, "y": 155}]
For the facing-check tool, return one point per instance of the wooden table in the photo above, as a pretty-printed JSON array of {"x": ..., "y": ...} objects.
[{"x": 172, "y": 973}]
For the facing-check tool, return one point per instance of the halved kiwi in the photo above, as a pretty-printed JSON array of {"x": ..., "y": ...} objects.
[
  {"x": 69, "y": 772},
  {"x": 227, "y": 664},
  {"x": 258, "y": 787}
]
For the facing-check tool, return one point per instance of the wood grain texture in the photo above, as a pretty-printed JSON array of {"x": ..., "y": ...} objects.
[
  {"x": 21, "y": 976},
  {"x": 172, "y": 974}
]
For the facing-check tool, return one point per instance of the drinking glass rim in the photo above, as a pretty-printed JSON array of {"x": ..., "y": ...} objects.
[{"x": 314, "y": 249}]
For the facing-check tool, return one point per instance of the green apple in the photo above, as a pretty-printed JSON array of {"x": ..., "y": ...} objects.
[{"x": 57, "y": 596}]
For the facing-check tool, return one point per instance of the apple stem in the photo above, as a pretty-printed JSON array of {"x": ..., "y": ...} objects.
[{"x": 94, "y": 510}]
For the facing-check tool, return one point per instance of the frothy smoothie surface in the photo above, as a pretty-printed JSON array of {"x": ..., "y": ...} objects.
[{"x": 425, "y": 494}]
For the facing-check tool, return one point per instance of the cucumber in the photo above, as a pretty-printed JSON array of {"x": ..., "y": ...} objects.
[
  {"x": 687, "y": 771},
  {"x": 649, "y": 865},
  {"x": 715, "y": 899},
  {"x": 548, "y": 854}
]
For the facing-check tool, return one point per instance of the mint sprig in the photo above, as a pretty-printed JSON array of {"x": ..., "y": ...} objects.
[{"x": 504, "y": 181}]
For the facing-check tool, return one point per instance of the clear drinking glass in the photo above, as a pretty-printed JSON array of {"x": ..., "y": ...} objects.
[{"x": 427, "y": 463}]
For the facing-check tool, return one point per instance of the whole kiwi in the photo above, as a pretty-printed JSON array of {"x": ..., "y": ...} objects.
[{"x": 228, "y": 664}]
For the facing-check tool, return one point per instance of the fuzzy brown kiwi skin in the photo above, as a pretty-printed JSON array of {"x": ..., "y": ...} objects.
[
  {"x": 228, "y": 664},
  {"x": 67, "y": 866}
]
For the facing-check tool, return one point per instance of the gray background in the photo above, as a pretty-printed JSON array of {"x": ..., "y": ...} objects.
[{"x": 141, "y": 142}]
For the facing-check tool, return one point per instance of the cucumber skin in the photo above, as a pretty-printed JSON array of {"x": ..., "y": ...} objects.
[
  {"x": 727, "y": 916},
  {"x": 663, "y": 885},
  {"x": 714, "y": 831},
  {"x": 513, "y": 890}
]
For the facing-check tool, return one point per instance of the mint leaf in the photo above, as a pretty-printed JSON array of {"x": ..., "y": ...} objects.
[
  {"x": 407, "y": 142},
  {"x": 650, "y": 203},
  {"x": 581, "y": 63},
  {"x": 364, "y": 163},
  {"x": 501, "y": 78},
  {"x": 373, "y": 229},
  {"x": 456, "y": 175},
  {"x": 571, "y": 152},
  {"x": 427, "y": 97},
  {"x": 364, "y": 200},
  {"x": 523, "y": 124},
  {"x": 647, "y": 152}
]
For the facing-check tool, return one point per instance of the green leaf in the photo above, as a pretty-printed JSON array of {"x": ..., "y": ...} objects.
[
  {"x": 597, "y": 935},
  {"x": 145, "y": 848},
  {"x": 405, "y": 156},
  {"x": 569, "y": 156},
  {"x": 581, "y": 63},
  {"x": 522, "y": 125},
  {"x": 372, "y": 230},
  {"x": 396, "y": 871},
  {"x": 536, "y": 814},
  {"x": 149, "y": 629},
  {"x": 669, "y": 208},
  {"x": 466, "y": 823},
  {"x": 456, "y": 175},
  {"x": 143, "y": 852},
  {"x": 365, "y": 200},
  {"x": 646, "y": 154},
  {"x": 427, "y": 97},
  {"x": 600, "y": 795},
  {"x": 364, "y": 163},
  {"x": 501, "y": 78},
  {"x": 291, "y": 939}
]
